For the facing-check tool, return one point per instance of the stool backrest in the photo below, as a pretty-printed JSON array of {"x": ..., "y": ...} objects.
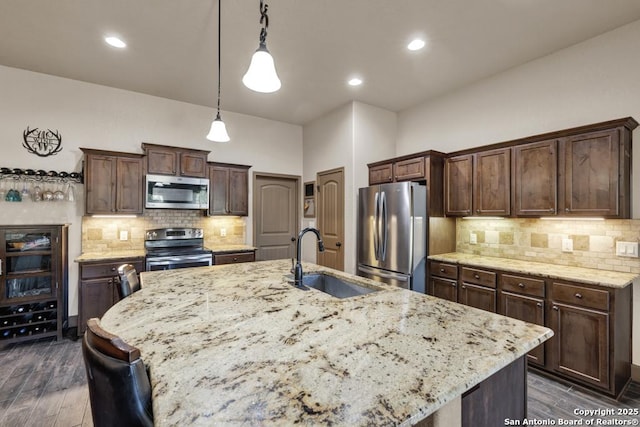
[
  {"x": 128, "y": 281},
  {"x": 119, "y": 387}
]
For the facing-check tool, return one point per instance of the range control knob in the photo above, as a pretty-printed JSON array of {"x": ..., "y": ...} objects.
[{"x": 198, "y": 232}]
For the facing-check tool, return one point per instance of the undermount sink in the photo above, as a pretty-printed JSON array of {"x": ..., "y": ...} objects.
[{"x": 334, "y": 286}]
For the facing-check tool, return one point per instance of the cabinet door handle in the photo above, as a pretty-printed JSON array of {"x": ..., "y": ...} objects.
[
  {"x": 579, "y": 295},
  {"x": 539, "y": 304},
  {"x": 442, "y": 270},
  {"x": 464, "y": 287},
  {"x": 555, "y": 307},
  {"x": 551, "y": 210},
  {"x": 453, "y": 284},
  {"x": 567, "y": 210},
  {"x": 521, "y": 285},
  {"x": 476, "y": 276}
]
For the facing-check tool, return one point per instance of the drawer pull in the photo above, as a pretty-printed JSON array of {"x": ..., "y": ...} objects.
[
  {"x": 521, "y": 285},
  {"x": 453, "y": 284},
  {"x": 539, "y": 304},
  {"x": 442, "y": 270},
  {"x": 113, "y": 269},
  {"x": 464, "y": 287},
  {"x": 555, "y": 307},
  {"x": 579, "y": 296},
  {"x": 476, "y": 276},
  {"x": 235, "y": 258}
]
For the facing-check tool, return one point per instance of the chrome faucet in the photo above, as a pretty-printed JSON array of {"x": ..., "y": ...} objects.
[{"x": 297, "y": 270}]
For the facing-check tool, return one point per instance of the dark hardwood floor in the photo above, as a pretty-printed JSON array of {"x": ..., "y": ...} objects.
[{"x": 43, "y": 384}]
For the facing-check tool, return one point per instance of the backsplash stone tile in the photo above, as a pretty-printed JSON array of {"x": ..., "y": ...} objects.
[
  {"x": 594, "y": 242},
  {"x": 100, "y": 234}
]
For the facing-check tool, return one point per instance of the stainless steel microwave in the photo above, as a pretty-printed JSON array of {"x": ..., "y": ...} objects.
[{"x": 175, "y": 192}]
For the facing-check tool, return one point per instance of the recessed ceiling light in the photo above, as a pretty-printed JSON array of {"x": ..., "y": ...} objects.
[
  {"x": 115, "y": 42},
  {"x": 416, "y": 44},
  {"x": 355, "y": 81}
]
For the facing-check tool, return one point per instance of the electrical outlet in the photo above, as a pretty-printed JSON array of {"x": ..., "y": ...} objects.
[
  {"x": 223, "y": 232},
  {"x": 124, "y": 235},
  {"x": 567, "y": 245},
  {"x": 473, "y": 238},
  {"x": 627, "y": 249}
]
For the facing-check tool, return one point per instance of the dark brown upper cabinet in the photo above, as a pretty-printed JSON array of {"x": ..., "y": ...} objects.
[
  {"x": 595, "y": 175},
  {"x": 479, "y": 184},
  {"x": 458, "y": 193},
  {"x": 176, "y": 161},
  {"x": 113, "y": 182},
  {"x": 536, "y": 178},
  {"x": 425, "y": 167},
  {"x": 492, "y": 182},
  {"x": 229, "y": 189}
]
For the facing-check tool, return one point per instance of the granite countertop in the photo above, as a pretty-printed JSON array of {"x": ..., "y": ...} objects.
[
  {"x": 610, "y": 279},
  {"x": 236, "y": 344},
  {"x": 110, "y": 255},
  {"x": 220, "y": 248}
]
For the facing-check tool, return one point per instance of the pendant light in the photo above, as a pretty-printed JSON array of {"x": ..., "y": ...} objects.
[
  {"x": 218, "y": 131},
  {"x": 261, "y": 75}
]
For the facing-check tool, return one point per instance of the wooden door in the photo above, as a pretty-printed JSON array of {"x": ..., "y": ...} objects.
[
  {"x": 444, "y": 288},
  {"x": 275, "y": 216},
  {"x": 130, "y": 186},
  {"x": 590, "y": 165},
  {"x": 478, "y": 297},
  {"x": 536, "y": 178},
  {"x": 580, "y": 346},
  {"x": 330, "y": 214},
  {"x": 492, "y": 182},
  {"x": 458, "y": 182},
  {"x": 100, "y": 184},
  {"x": 527, "y": 309},
  {"x": 96, "y": 297}
]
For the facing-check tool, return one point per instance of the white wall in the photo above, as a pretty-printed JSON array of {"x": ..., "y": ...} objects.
[
  {"x": 349, "y": 136},
  {"x": 89, "y": 115},
  {"x": 590, "y": 82}
]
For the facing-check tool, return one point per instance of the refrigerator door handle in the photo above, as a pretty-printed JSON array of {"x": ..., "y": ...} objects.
[
  {"x": 379, "y": 273},
  {"x": 376, "y": 243},
  {"x": 383, "y": 226}
]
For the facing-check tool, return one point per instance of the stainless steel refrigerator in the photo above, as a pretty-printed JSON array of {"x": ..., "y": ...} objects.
[{"x": 392, "y": 234}]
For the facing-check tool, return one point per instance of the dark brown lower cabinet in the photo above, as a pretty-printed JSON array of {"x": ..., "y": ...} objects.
[
  {"x": 502, "y": 396},
  {"x": 98, "y": 290},
  {"x": 580, "y": 347},
  {"x": 477, "y": 296},
  {"x": 233, "y": 258},
  {"x": 527, "y": 309},
  {"x": 444, "y": 288}
]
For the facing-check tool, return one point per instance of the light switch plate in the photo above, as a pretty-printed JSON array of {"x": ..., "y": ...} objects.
[
  {"x": 223, "y": 232},
  {"x": 567, "y": 245},
  {"x": 627, "y": 249}
]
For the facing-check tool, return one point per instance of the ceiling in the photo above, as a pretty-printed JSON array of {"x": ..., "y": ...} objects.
[{"x": 317, "y": 46}]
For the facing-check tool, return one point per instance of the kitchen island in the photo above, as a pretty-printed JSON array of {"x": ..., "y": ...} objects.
[{"x": 237, "y": 344}]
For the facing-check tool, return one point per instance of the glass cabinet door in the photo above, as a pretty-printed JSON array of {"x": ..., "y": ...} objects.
[{"x": 27, "y": 270}]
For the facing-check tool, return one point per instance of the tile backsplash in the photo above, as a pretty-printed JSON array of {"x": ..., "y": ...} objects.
[
  {"x": 100, "y": 234},
  {"x": 594, "y": 242}
]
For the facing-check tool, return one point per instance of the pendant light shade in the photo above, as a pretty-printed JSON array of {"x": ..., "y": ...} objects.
[
  {"x": 261, "y": 75},
  {"x": 218, "y": 131}
]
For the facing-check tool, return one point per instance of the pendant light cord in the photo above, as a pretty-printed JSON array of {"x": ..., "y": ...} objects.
[
  {"x": 264, "y": 19},
  {"x": 219, "y": 32}
]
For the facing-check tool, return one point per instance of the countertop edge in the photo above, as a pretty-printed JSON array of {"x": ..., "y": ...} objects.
[{"x": 546, "y": 270}]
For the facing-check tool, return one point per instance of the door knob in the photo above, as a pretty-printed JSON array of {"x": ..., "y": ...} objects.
[
  {"x": 293, "y": 239},
  {"x": 338, "y": 244}
]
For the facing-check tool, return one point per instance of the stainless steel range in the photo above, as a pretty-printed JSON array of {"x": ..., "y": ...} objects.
[{"x": 171, "y": 248}]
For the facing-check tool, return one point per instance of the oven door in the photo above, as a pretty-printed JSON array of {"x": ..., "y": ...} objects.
[{"x": 178, "y": 261}]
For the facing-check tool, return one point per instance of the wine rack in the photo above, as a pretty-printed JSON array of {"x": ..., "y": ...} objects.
[{"x": 33, "y": 282}]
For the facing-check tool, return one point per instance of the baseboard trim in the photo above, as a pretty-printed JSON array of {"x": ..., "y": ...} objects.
[{"x": 635, "y": 372}]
